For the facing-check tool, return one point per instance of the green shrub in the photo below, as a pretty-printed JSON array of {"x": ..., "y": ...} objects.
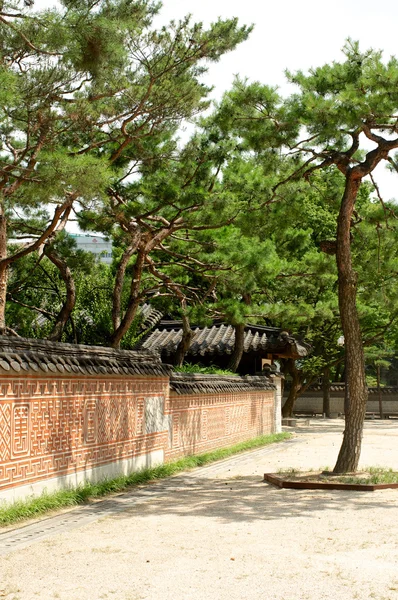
[{"x": 210, "y": 370}]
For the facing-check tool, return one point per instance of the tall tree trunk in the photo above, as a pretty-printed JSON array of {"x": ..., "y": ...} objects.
[
  {"x": 133, "y": 302},
  {"x": 339, "y": 373},
  {"x": 287, "y": 409},
  {"x": 70, "y": 301},
  {"x": 185, "y": 342},
  {"x": 379, "y": 392},
  {"x": 118, "y": 287},
  {"x": 326, "y": 392},
  {"x": 3, "y": 270},
  {"x": 237, "y": 353},
  {"x": 349, "y": 454}
]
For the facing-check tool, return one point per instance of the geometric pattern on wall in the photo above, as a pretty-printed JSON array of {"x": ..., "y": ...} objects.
[
  {"x": 227, "y": 420},
  {"x": 20, "y": 430},
  {"x": 203, "y": 423},
  {"x": 238, "y": 418},
  {"x": 56, "y": 426},
  {"x": 116, "y": 419},
  {"x": 51, "y": 427},
  {"x": 189, "y": 428},
  {"x": 176, "y": 442},
  {"x": 90, "y": 421},
  {"x": 5, "y": 432}
]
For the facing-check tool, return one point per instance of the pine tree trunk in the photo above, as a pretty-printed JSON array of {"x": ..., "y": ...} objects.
[
  {"x": 349, "y": 454},
  {"x": 70, "y": 301},
  {"x": 118, "y": 287},
  {"x": 236, "y": 355},
  {"x": 287, "y": 409},
  {"x": 326, "y": 392},
  {"x": 185, "y": 342},
  {"x": 133, "y": 303},
  {"x": 3, "y": 271}
]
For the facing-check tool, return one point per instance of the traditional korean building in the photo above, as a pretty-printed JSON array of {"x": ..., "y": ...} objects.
[{"x": 214, "y": 345}]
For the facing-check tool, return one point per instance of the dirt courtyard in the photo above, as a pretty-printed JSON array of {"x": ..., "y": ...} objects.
[{"x": 219, "y": 532}]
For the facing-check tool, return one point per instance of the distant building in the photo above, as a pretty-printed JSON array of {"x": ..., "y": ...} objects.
[
  {"x": 96, "y": 244},
  {"x": 89, "y": 242}
]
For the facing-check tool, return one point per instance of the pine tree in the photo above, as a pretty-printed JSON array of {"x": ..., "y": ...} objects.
[
  {"x": 328, "y": 125},
  {"x": 86, "y": 92}
]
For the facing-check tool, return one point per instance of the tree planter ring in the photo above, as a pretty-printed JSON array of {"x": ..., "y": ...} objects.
[{"x": 318, "y": 485}]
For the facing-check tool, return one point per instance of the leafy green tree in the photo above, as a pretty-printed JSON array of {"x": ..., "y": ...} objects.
[
  {"x": 338, "y": 111},
  {"x": 42, "y": 289},
  {"x": 176, "y": 197},
  {"x": 87, "y": 91},
  {"x": 341, "y": 105}
]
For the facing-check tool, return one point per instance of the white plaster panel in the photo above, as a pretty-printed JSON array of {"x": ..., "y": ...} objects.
[
  {"x": 93, "y": 475},
  {"x": 277, "y": 381},
  {"x": 155, "y": 420}
]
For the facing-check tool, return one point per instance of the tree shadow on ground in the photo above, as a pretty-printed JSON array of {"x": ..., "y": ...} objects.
[
  {"x": 242, "y": 499},
  {"x": 323, "y": 426},
  {"x": 210, "y": 492}
]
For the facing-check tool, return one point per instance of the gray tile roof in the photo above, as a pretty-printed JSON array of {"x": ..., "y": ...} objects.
[
  {"x": 188, "y": 383},
  {"x": 220, "y": 339},
  {"x": 19, "y": 355},
  {"x": 150, "y": 316},
  {"x": 339, "y": 387}
]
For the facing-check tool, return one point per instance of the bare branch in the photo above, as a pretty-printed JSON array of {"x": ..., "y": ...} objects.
[
  {"x": 26, "y": 40},
  {"x": 385, "y": 208},
  {"x": 58, "y": 222}
]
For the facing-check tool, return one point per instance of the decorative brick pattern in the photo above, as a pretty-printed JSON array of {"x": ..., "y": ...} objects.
[
  {"x": 176, "y": 431},
  {"x": 52, "y": 427},
  {"x": 140, "y": 415},
  {"x": 204, "y": 424},
  {"x": 5, "y": 432},
  {"x": 90, "y": 430},
  {"x": 201, "y": 423},
  {"x": 63, "y": 425},
  {"x": 20, "y": 430}
]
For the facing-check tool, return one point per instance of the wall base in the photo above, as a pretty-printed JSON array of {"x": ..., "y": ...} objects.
[{"x": 92, "y": 475}]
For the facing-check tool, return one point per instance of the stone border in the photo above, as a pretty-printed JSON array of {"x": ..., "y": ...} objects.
[
  {"x": 198, "y": 383},
  {"x": 312, "y": 485}
]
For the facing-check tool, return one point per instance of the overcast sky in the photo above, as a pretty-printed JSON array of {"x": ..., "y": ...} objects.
[{"x": 291, "y": 34}]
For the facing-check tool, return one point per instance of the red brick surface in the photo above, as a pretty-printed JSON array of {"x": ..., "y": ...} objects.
[
  {"x": 201, "y": 423},
  {"x": 58, "y": 426},
  {"x": 55, "y": 427}
]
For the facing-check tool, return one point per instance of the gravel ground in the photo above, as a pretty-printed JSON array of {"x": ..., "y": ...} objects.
[{"x": 220, "y": 533}]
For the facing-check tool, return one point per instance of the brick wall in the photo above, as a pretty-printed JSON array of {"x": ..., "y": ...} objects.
[
  {"x": 204, "y": 422},
  {"x": 64, "y": 430},
  {"x": 66, "y": 420}
]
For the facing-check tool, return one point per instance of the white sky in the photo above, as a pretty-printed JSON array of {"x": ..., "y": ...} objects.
[
  {"x": 294, "y": 34},
  {"x": 290, "y": 34}
]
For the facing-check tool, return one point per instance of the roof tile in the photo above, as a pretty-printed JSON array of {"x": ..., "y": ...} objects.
[
  {"x": 54, "y": 357},
  {"x": 188, "y": 383},
  {"x": 220, "y": 339}
]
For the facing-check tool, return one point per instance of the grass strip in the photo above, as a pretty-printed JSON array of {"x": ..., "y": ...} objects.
[
  {"x": 26, "y": 509},
  {"x": 369, "y": 475},
  {"x": 373, "y": 475}
]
